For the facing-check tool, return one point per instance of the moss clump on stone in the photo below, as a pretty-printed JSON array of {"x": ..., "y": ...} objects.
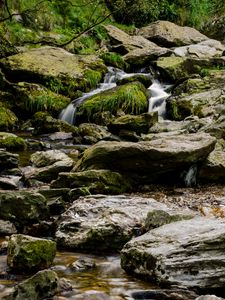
[
  {"x": 130, "y": 98},
  {"x": 145, "y": 80},
  {"x": 12, "y": 142},
  {"x": 114, "y": 59},
  {"x": 8, "y": 119}
]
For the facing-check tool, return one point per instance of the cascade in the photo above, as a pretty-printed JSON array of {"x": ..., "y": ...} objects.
[{"x": 157, "y": 98}]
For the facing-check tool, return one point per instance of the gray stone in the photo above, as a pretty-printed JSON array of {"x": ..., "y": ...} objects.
[
  {"x": 7, "y": 228},
  {"x": 187, "y": 253},
  {"x": 104, "y": 223},
  {"x": 8, "y": 160}
]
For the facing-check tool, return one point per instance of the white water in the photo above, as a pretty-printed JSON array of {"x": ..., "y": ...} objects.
[{"x": 156, "y": 100}]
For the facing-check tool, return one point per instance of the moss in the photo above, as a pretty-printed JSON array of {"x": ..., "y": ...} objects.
[
  {"x": 27, "y": 253},
  {"x": 179, "y": 110},
  {"x": 145, "y": 80},
  {"x": 13, "y": 143},
  {"x": 8, "y": 119},
  {"x": 131, "y": 98},
  {"x": 91, "y": 79},
  {"x": 115, "y": 60}
]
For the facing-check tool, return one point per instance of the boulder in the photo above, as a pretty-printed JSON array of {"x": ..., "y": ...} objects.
[
  {"x": 42, "y": 285},
  {"x": 92, "y": 133},
  {"x": 104, "y": 223},
  {"x": 8, "y": 120},
  {"x": 137, "y": 50},
  {"x": 167, "y": 34},
  {"x": 44, "y": 123},
  {"x": 26, "y": 253},
  {"x": 8, "y": 160},
  {"x": 55, "y": 68},
  {"x": 93, "y": 181},
  {"x": 46, "y": 158},
  {"x": 149, "y": 161},
  {"x": 32, "y": 207},
  {"x": 146, "y": 80},
  {"x": 12, "y": 142},
  {"x": 215, "y": 28},
  {"x": 186, "y": 253},
  {"x": 209, "y": 297},
  {"x": 205, "y": 49},
  {"x": 139, "y": 124},
  {"x": 164, "y": 294},
  {"x": 10, "y": 182}
]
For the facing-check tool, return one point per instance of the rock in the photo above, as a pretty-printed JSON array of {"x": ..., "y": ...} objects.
[
  {"x": 92, "y": 133},
  {"x": 83, "y": 264},
  {"x": 185, "y": 253},
  {"x": 9, "y": 182},
  {"x": 149, "y": 161},
  {"x": 46, "y": 158},
  {"x": 8, "y": 160},
  {"x": 93, "y": 181},
  {"x": 167, "y": 34},
  {"x": 202, "y": 104},
  {"x": 55, "y": 193},
  {"x": 26, "y": 253},
  {"x": 61, "y": 136},
  {"x": 216, "y": 128},
  {"x": 32, "y": 207},
  {"x": 56, "y": 68},
  {"x": 205, "y": 49},
  {"x": 8, "y": 120},
  {"x": 44, "y": 123},
  {"x": 146, "y": 80},
  {"x": 139, "y": 124},
  {"x": 163, "y": 294},
  {"x": 104, "y": 223},
  {"x": 130, "y": 98},
  {"x": 42, "y": 285},
  {"x": 12, "y": 142},
  {"x": 32, "y": 98},
  {"x": 213, "y": 169},
  {"x": 93, "y": 295},
  {"x": 209, "y": 297},
  {"x": 7, "y": 228},
  {"x": 138, "y": 50}
]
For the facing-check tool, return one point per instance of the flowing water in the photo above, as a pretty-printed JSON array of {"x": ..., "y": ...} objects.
[{"x": 158, "y": 94}]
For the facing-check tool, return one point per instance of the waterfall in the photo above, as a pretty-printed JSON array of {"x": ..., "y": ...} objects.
[
  {"x": 190, "y": 177},
  {"x": 158, "y": 96},
  {"x": 156, "y": 101}
]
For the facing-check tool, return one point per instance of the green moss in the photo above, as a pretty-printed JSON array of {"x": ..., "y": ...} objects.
[
  {"x": 131, "y": 98},
  {"x": 8, "y": 119},
  {"x": 13, "y": 143},
  {"x": 91, "y": 79},
  {"x": 145, "y": 80},
  {"x": 114, "y": 59}
]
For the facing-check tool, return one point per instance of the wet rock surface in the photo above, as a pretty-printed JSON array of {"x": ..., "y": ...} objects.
[{"x": 188, "y": 253}]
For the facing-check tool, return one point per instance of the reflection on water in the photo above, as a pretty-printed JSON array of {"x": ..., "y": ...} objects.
[{"x": 107, "y": 276}]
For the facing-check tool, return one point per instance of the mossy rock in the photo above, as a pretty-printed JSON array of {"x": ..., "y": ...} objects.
[
  {"x": 32, "y": 98},
  {"x": 145, "y": 80},
  {"x": 26, "y": 254},
  {"x": 96, "y": 181},
  {"x": 139, "y": 124},
  {"x": 131, "y": 98},
  {"x": 59, "y": 70},
  {"x": 8, "y": 119},
  {"x": 12, "y": 142},
  {"x": 42, "y": 285},
  {"x": 6, "y": 48},
  {"x": 115, "y": 60},
  {"x": 45, "y": 123}
]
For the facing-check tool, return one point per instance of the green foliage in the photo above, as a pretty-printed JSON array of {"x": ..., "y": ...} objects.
[
  {"x": 131, "y": 98},
  {"x": 114, "y": 59}
]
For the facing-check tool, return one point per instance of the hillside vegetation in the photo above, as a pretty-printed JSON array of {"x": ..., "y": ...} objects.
[{"x": 77, "y": 23}]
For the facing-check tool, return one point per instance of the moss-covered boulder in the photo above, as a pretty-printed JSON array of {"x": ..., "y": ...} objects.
[
  {"x": 8, "y": 119},
  {"x": 26, "y": 254},
  {"x": 131, "y": 98},
  {"x": 145, "y": 80},
  {"x": 32, "y": 207},
  {"x": 139, "y": 124},
  {"x": 92, "y": 133},
  {"x": 55, "y": 68},
  {"x": 43, "y": 285},
  {"x": 114, "y": 59},
  {"x": 6, "y": 48},
  {"x": 11, "y": 142},
  {"x": 31, "y": 98},
  {"x": 95, "y": 181},
  {"x": 43, "y": 122}
]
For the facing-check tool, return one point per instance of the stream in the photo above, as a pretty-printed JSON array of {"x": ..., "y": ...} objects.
[{"x": 158, "y": 93}]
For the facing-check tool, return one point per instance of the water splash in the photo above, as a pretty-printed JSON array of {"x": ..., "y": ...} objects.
[{"x": 190, "y": 177}]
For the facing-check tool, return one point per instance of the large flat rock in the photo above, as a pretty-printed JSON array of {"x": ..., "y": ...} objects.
[
  {"x": 188, "y": 253},
  {"x": 149, "y": 160}
]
